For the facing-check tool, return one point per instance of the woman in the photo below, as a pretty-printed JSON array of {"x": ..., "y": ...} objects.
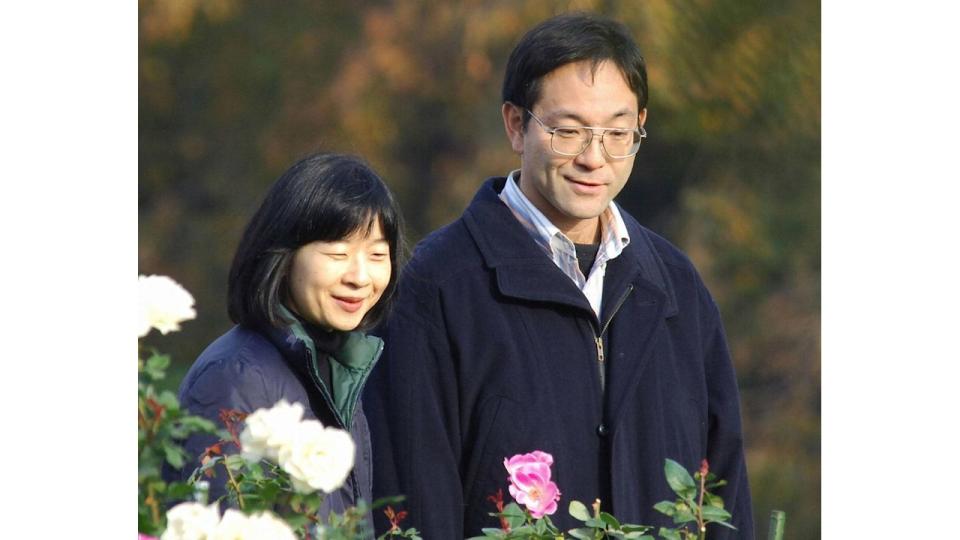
[{"x": 314, "y": 268}]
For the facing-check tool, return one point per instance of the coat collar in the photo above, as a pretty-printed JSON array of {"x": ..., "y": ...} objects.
[
  {"x": 524, "y": 272},
  {"x": 355, "y": 355}
]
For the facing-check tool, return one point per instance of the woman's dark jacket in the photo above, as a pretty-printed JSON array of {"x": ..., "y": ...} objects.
[
  {"x": 491, "y": 351},
  {"x": 248, "y": 369}
]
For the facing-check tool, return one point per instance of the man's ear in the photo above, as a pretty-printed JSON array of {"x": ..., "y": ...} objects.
[
  {"x": 513, "y": 124},
  {"x": 643, "y": 117}
]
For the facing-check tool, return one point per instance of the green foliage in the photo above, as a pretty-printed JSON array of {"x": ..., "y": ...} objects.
[
  {"x": 161, "y": 425},
  {"x": 680, "y": 480},
  {"x": 694, "y": 507},
  {"x": 693, "y": 510}
]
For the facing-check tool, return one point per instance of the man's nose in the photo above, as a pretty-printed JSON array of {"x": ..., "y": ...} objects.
[{"x": 592, "y": 156}]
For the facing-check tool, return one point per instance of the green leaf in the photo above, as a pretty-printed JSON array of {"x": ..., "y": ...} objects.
[
  {"x": 158, "y": 361},
  {"x": 684, "y": 513},
  {"x": 669, "y": 534},
  {"x": 628, "y": 528},
  {"x": 179, "y": 490},
  {"x": 609, "y": 520},
  {"x": 234, "y": 461},
  {"x": 198, "y": 423},
  {"x": 578, "y": 510},
  {"x": 666, "y": 507},
  {"x": 383, "y": 501},
  {"x": 581, "y": 533},
  {"x": 493, "y": 532},
  {"x": 514, "y": 515},
  {"x": 595, "y": 523},
  {"x": 679, "y": 479},
  {"x": 296, "y": 520},
  {"x": 174, "y": 455},
  {"x": 725, "y": 524},
  {"x": 156, "y": 366},
  {"x": 709, "y": 499},
  {"x": 715, "y": 514},
  {"x": 520, "y": 532}
]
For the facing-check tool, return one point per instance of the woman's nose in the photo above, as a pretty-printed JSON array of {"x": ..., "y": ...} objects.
[{"x": 357, "y": 274}]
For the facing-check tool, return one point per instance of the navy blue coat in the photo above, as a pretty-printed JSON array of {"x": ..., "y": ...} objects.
[
  {"x": 492, "y": 351},
  {"x": 246, "y": 370}
]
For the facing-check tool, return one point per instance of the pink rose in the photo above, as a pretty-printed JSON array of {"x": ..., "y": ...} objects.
[{"x": 530, "y": 483}]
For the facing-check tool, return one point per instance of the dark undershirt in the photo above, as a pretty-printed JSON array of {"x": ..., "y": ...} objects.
[
  {"x": 586, "y": 255},
  {"x": 326, "y": 342}
]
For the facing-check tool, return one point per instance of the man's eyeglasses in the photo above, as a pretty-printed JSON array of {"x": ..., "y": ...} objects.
[{"x": 573, "y": 140}]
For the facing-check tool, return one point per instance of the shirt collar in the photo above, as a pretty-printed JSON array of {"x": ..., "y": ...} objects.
[{"x": 613, "y": 236}]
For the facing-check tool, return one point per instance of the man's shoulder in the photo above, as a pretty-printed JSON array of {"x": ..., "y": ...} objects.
[
  {"x": 454, "y": 247},
  {"x": 444, "y": 250},
  {"x": 681, "y": 279}
]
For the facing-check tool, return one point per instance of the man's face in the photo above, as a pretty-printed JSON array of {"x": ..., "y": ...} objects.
[{"x": 572, "y": 191}]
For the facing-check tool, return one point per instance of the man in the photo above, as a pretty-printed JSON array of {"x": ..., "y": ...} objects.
[{"x": 546, "y": 318}]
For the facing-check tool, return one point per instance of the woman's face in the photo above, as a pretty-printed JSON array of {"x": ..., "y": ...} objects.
[{"x": 334, "y": 284}]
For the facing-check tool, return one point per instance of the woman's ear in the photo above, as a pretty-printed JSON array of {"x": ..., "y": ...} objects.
[{"x": 513, "y": 124}]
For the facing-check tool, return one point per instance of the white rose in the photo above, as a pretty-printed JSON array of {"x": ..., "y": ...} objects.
[
  {"x": 267, "y": 430},
  {"x": 260, "y": 526},
  {"x": 318, "y": 458},
  {"x": 191, "y": 521},
  {"x": 164, "y": 304}
]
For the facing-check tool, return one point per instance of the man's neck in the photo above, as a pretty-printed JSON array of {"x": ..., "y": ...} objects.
[{"x": 579, "y": 231}]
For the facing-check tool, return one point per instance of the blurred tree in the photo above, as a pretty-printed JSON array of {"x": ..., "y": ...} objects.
[{"x": 233, "y": 91}]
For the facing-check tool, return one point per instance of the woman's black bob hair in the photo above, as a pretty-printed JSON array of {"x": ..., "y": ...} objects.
[{"x": 324, "y": 197}]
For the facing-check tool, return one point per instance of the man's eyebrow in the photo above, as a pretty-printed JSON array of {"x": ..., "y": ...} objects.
[{"x": 563, "y": 114}]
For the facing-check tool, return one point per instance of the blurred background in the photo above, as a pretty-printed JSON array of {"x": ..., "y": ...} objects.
[{"x": 232, "y": 92}]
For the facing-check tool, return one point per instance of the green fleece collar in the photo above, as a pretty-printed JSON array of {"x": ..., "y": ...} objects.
[{"x": 351, "y": 367}]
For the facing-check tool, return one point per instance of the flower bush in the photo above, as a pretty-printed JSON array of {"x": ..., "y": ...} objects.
[
  {"x": 537, "y": 496},
  {"x": 276, "y": 481},
  {"x": 161, "y": 422}
]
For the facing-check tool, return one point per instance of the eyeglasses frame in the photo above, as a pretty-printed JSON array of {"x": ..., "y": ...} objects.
[{"x": 593, "y": 131}]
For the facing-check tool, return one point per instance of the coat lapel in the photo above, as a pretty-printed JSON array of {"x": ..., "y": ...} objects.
[{"x": 522, "y": 269}]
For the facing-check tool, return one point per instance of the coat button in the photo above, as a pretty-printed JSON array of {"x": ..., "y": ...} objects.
[{"x": 602, "y": 430}]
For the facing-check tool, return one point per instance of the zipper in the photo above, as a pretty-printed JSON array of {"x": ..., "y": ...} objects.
[
  {"x": 601, "y": 359},
  {"x": 324, "y": 391},
  {"x": 326, "y": 394},
  {"x": 355, "y": 398}
]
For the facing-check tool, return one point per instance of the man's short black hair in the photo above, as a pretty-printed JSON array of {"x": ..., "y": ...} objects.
[
  {"x": 571, "y": 38},
  {"x": 325, "y": 197}
]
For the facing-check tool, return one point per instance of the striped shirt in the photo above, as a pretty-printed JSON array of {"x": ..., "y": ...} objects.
[{"x": 613, "y": 239}]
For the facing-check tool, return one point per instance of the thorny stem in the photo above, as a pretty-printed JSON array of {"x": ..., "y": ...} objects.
[
  {"x": 233, "y": 482},
  {"x": 151, "y": 501},
  {"x": 141, "y": 418},
  {"x": 701, "y": 527}
]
